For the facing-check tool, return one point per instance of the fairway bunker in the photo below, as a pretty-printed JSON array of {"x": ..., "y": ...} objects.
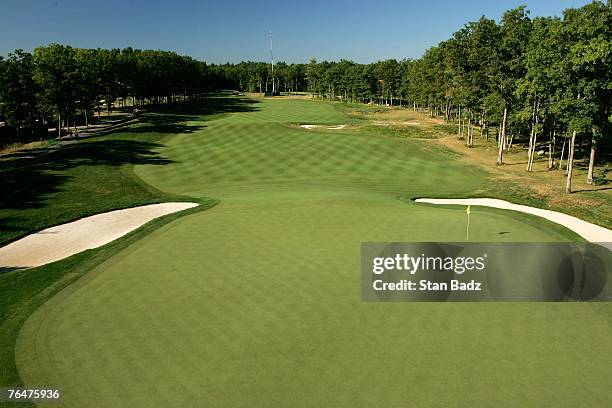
[
  {"x": 62, "y": 241},
  {"x": 328, "y": 127},
  {"x": 590, "y": 232}
]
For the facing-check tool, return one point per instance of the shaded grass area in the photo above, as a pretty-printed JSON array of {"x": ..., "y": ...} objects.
[
  {"x": 46, "y": 187},
  {"x": 73, "y": 182},
  {"x": 23, "y": 291}
]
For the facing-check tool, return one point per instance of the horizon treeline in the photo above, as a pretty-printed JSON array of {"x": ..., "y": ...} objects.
[{"x": 545, "y": 79}]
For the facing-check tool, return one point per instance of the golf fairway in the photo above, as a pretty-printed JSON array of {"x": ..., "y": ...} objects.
[{"x": 257, "y": 301}]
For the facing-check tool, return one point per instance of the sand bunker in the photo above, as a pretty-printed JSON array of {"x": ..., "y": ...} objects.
[
  {"x": 336, "y": 127},
  {"x": 62, "y": 241},
  {"x": 588, "y": 231}
]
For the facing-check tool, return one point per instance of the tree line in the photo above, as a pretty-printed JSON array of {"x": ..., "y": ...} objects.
[
  {"x": 64, "y": 84},
  {"x": 544, "y": 82}
]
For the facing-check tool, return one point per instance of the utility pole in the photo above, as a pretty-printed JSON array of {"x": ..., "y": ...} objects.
[{"x": 272, "y": 63}]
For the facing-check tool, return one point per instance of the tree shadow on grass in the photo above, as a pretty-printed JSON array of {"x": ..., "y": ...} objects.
[
  {"x": 175, "y": 118},
  {"x": 7, "y": 270},
  {"x": 26, "y": 173},
  {"x": 26, "y": 181},
  {"x": 212, "y": 104},
  {"x": 74, "y": 181},
  {"x": 75, "y": 178},
  {"x": 161, "y": 124},
  {"x": 592, "y": 190}
]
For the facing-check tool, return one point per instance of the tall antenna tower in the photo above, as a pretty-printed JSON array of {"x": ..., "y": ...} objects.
[{"x": 272, "y": 63}]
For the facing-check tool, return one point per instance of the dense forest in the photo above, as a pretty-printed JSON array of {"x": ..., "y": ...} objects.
[{"x": 543, "y": 81}]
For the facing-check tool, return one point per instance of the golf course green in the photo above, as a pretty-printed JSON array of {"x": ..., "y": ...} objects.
[{"x": 257, "y": 302}]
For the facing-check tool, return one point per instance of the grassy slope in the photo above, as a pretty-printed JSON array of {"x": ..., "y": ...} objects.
[{"x": 258, "y": 301}]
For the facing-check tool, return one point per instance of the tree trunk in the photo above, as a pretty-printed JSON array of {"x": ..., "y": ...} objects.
[
  {"x": 472, "y": 131},
  {"x": 531, "y": 136},
  {"x": 562, "y": 153},
  {"x": 459, "y": 116},
  {"x": 551, "y": 151},
  {"x": 533, "y": 145},
  {"x": 570, "y": 164},
  {"x": 550, "y": 155},
  {"x": 529, "y": 149},
  {"x": 470, "y": 140},
  {"x": 59, "y": 124},
  {"x": 502, "y": 138},
  {"x": 533, "y": 151},
  {"x": 509, "y": 143},
  {"x": 592, "y": 160}
]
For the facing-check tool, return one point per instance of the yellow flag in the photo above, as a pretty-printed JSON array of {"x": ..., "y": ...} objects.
[{"x": 468, "y": 210}]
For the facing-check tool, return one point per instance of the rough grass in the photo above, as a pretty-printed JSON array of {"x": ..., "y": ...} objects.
[
  {"x": 541, "y": 188},
  {"x": 257, "y": 301},
  {"x": 18, "y": 147}
]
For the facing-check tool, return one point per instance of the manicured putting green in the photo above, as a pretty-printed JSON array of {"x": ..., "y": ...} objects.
[{"x": 257, "y": 301}]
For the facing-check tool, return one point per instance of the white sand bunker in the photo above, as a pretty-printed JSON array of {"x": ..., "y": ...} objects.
[
  {"x": 336, "y": 127},
  {"x": 62, "y": 241},
  {"x": 588, "y": 231}
]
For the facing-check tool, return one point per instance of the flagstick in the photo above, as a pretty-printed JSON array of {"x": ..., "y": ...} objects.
[{"x": 467, "y": 229}]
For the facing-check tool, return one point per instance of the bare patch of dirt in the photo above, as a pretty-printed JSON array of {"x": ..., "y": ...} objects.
[{"x": 397, "y": 123}]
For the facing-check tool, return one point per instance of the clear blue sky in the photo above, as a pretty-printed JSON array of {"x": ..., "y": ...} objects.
[{"x": 221, "y": 31}]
